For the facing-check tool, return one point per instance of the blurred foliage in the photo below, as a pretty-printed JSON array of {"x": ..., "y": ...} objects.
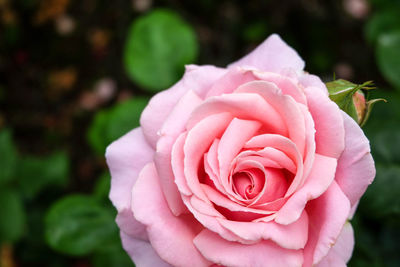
[
  {"x": 158, "y": 45},
  {"x": 55, "y": 121},
  {"x": 109, "y": 125},
  {"x": 78, "y": 224}
]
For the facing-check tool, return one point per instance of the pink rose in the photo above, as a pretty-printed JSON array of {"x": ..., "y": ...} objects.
[{"x": 249, "y": 165}]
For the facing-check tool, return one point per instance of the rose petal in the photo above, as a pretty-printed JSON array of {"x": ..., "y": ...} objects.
[
  {"x": 235, "y": 136},
  {"x": 223, "y": 201},
  {"x": 211, "y": 165},
  {"x": 356, "y": 169},
  {"x": 287, "y": 85},
  {"x": 173, "y": 243},
  {"x": 320, "y": 178},
  {"x": 231, "y": 80},
  {"x": 197, "y": 142},
  {"x": 261, "y": 254},
  {"x": 268, "y": 157},
  {"x": 292, "y": 236},
  {"x": 243, "y": 106},
  {"x": 272, "y": 55},
  {"x": 177, "y": 158},
  {"x": 125, "y": 158},
  {"x": 328, "y": 123},
  {"x": 129, "y": 225},
  {"x": 307, "y": 80},
  {"x": 173, "y": 126},
  {"x": 285, "y": 145},
  {"x": 327, "y": 216},
  {"x": 284, "y": 105},
  {"x": 196, "y": 78},
  {"x": 341, "y": 252},
  {"x": 206, "y": 216},
  {"x": 141, "y": 252}
]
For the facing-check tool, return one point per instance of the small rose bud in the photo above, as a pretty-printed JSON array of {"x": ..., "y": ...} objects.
[
  {"x": 360, "y": 105},
  {"x": 351, "y": 99}
]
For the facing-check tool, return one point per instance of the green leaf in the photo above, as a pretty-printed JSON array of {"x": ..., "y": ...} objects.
[
  {"x": 256, "y": 31},
  {"x": 366, "y": 252},
  {"x": 111, "y": 255},
  {"x": 78, "y": 224},
  {"x": 12, "y": 214},
  {"x": 388, "y": 57},
  {"x": 102, "y": 187},
  {"x": 386, "y": 145},
  {"x": 110, "y": 124},
  {"x": 8, "y": 154},
  {"x": 382, "y": 197},
  {"x": 384, "y": 21},
  {"x": 158, "y": 46},
  {"x": 35, "y": 174}
]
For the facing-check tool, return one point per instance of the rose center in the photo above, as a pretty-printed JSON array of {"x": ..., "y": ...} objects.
[{"x": 248, "y": 183}]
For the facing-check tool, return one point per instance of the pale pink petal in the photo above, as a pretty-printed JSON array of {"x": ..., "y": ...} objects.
[
  {"x": 223, "y": 201},
  {"x": 171, "y": 236},
  {"x": 356, "y": 169},
  {"x": 268, "y": 157},
  {"x": 203, "y": 213},
  {"x": 129, "y": 225},
  {"x": 292, "y": 236},
  {"x": 307, "y": 80},
  {"x": 211, "y": 166},
  {"x": 196, "y": 78},
  {"x": 272, "y": 55},
  {"x": 235, "y": 136},
  {"x": 318, "y": 181},
  {"x": 310, "y": 140},
  {"x": 203, "y": 78},
  {"x": 327, "y": 216},
  {"x": 285, "y": 145},
  {"x": 284, "y": 105},
  {"x": 287, "y": 85},
  {"x": 125, "y": 158},
  {"x": 198, "y": 140},
  {"x": 177, "y": 158},
  {"x": 174, "y": 125},
  {"x": 247, "y": 106},
  {"x": 141, "y": 252},
  {"x": 234, "y": 254},
  {"x": 331, "y": 260},
  {"x": 232, "y": 79},
  {"x": 328, "y": 123},
  {"x": 341, "y": 252}
]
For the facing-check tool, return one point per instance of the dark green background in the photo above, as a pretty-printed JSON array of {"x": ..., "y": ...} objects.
[{"x": 55, "y": 123}]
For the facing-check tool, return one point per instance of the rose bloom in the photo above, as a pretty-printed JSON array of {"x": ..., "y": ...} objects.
[{"x": 249, "y": 165}]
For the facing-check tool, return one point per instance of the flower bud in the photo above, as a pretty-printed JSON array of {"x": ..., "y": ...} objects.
[{"x": 351, "y": 99}]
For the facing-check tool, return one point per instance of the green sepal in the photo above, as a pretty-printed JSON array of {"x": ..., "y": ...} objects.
[
  {"x": 342, "y": 92},
  {"x": 369, "y": 106}
]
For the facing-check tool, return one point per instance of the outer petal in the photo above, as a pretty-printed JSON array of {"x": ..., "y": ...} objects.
[
  {"x": 329, "y": 135},
  {"x": 141, "y": 252},
  {"x": 125, "y": 158},
  {"x": 174, "y": 125},
  {"x": 341, "y": 252},
  {"x": 272, "y": 55},
  {"x": 262, "y": 254},
  {"x": 356, "y": 169},
  {"x": 327, "y": 216},
  {"x": 196, "y": 78},
  {"x": 171, "y": 236},
  {"x": 307, "y": 80}
]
